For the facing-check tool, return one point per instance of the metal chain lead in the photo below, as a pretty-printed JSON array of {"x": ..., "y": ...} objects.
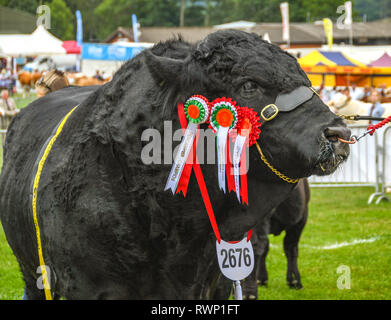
[{"x": 274, "y": 170}]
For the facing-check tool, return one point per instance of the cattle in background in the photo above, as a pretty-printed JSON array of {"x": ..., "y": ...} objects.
[
  {"x": 27, "y": 80},
  {"x": 290, "y": 216},
  {"x": 108, "y": 229},
  {"x": 344, "y": 105},
  {"x": 79, "y": 79}
]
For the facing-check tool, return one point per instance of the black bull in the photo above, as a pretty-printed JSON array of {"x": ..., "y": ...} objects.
[{"x": 108, "y": 229}]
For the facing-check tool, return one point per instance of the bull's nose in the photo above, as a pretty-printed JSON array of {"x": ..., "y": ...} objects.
[{"x": 333, "y": 133}]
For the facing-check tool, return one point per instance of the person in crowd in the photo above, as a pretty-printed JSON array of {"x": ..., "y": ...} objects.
[
  {"x": 381, "y": 89},
  {"x": 356, "y": 93},
  {"x": 333, "y": 92},
  {"x": 51, "y": 81},
  {"x": 4, "y": 79},
  {"x": 323, "y": 93},
  {"x": 376, "y": 110},
  {"x": 367, "y": 91},
  {"x": 7, "y": 109},
  {"x": 346, "y": 92},
  {"x": 98, "y": 76}
]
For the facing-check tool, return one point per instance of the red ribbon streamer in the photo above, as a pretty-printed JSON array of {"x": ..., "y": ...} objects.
[
  {"x": 184, "y": 180},
  {"x": 228, "y": 170},
  {"x": 243, "y": 177},
  {"x": 201, "y": 181}
]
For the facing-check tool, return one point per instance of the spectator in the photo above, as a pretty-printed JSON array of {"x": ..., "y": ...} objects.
[
  {"x": 355, "y": 92},
  {"x": 98, "y": 76},
  {"x": 376, "y": 109},
  {"x": 4, "y": 79},
  {"x": 333, "y": 92},
  {"x": 7, "y": 109},
  {"x": 381, "y": 89},
  {"x": 51, "y": 81},
  {"x": 346, "y": 92}
]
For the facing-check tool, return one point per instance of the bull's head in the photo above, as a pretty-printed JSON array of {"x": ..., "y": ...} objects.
[{"x": 302, "y": 139}]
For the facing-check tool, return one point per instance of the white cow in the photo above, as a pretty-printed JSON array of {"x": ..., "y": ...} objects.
[{"x": 341, "y": 104}]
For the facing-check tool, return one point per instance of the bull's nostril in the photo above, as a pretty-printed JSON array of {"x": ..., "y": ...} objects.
[{"x": 333, "y": 133}]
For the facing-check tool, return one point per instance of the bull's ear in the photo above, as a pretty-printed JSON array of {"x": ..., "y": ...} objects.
[{"x": 163, "y": 68}]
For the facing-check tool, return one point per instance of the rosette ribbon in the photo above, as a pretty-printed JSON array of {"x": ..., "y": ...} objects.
[
  {"x": 247, "y": 134},
  {"x": 223, "y": 118},
  {"x": 197, "y": 112}
]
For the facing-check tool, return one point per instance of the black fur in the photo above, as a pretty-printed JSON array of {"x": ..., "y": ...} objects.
[{"x": 108, "y": 229}]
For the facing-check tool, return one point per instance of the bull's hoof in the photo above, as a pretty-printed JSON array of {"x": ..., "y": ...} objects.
[
  {"x": 295, "y": 285},
  {"x": 262, "y": 283},
  {"x": 250, "y": 297}
]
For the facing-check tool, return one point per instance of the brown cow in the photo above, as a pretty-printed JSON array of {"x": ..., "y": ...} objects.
[{"x": 28, "y": 79}]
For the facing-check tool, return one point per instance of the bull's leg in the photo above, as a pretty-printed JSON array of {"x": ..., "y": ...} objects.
[
  {"x": 249, "y": 285},
  {"x": 31, "y": 290},
  {"x": 291, "y": 243},
  {"x": 262, "y": 276}
]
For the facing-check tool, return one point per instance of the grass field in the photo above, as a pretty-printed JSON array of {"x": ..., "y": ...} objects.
[{"x": 337, "y": 216}]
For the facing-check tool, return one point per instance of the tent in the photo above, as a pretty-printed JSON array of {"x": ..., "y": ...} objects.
[
  {"x": 334, "y": 68},
  {"x": 383, "y": 61},
  {"x": 40, "y": 42},
  {"x": 71, "y": 47},
  {"x": 330, "y": 59}
]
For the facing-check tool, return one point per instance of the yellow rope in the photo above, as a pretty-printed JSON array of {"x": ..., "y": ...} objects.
[
  {"x": 45, "y": 279},
  {"x": 275, "y": 171}
]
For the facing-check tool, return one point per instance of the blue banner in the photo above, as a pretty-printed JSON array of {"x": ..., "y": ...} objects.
[
  {"x": 135, "y": 27},
  {"x": 79, "y": 32},
  {"x": 95, "y": 51}
]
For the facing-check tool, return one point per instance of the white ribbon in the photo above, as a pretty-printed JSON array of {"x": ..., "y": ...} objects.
[
  {"x": 181, "y": 157},
  {"x": 222, "y": 133},
  {"x": 238, "y": 148}
]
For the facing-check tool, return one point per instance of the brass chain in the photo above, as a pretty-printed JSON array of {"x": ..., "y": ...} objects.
[{"x": 275, "y": 171}]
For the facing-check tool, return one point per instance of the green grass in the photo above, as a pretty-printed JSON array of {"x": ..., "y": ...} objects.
[
  {"x": 336, "y": 215},
  {"x": 23, "y": 102}
]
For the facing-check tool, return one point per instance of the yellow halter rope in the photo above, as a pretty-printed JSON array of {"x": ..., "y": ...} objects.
[
  {"x": 45, "y": 278},
  {"x": 275, "y": 171}
]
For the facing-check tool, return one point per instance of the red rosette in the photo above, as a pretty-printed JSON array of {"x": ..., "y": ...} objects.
[{"x": 247, "y": 118}]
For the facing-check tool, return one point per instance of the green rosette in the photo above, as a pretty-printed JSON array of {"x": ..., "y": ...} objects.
[
  {"x": 213, "y": 118},
  {"x": 192, "y": 115}
]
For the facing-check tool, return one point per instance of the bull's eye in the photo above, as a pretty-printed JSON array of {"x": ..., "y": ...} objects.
[{"x": 249, "y": 88}]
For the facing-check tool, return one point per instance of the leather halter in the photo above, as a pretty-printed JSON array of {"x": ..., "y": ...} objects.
[{"x": 286, "y": 102}]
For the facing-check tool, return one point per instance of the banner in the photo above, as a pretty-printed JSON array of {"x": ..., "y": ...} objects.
[
  {"x": 285, "y": 21},
  {"x": 328, "y": 30},
  {"x": 135, "y": 26},
  {"x": 79, "y": 32},
  {"x": 97, "y": 51}
]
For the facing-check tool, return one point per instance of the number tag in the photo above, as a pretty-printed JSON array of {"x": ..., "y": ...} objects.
[{"x": 236, "y": 260}]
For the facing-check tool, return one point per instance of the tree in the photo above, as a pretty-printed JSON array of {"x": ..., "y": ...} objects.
[
  {"x": 23, "y": 5},
  {"x": 91, "y": 22},
  {"x": 62, "y": 20}
]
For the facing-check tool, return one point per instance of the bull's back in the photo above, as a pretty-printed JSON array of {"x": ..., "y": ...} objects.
[{"x": 26, "y": 135}]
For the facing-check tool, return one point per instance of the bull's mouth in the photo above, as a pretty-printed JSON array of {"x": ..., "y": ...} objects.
[{"x": 332, "y": 154}]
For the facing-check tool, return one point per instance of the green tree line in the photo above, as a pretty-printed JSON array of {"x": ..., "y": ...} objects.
[{"x": 101, "y": 17}]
